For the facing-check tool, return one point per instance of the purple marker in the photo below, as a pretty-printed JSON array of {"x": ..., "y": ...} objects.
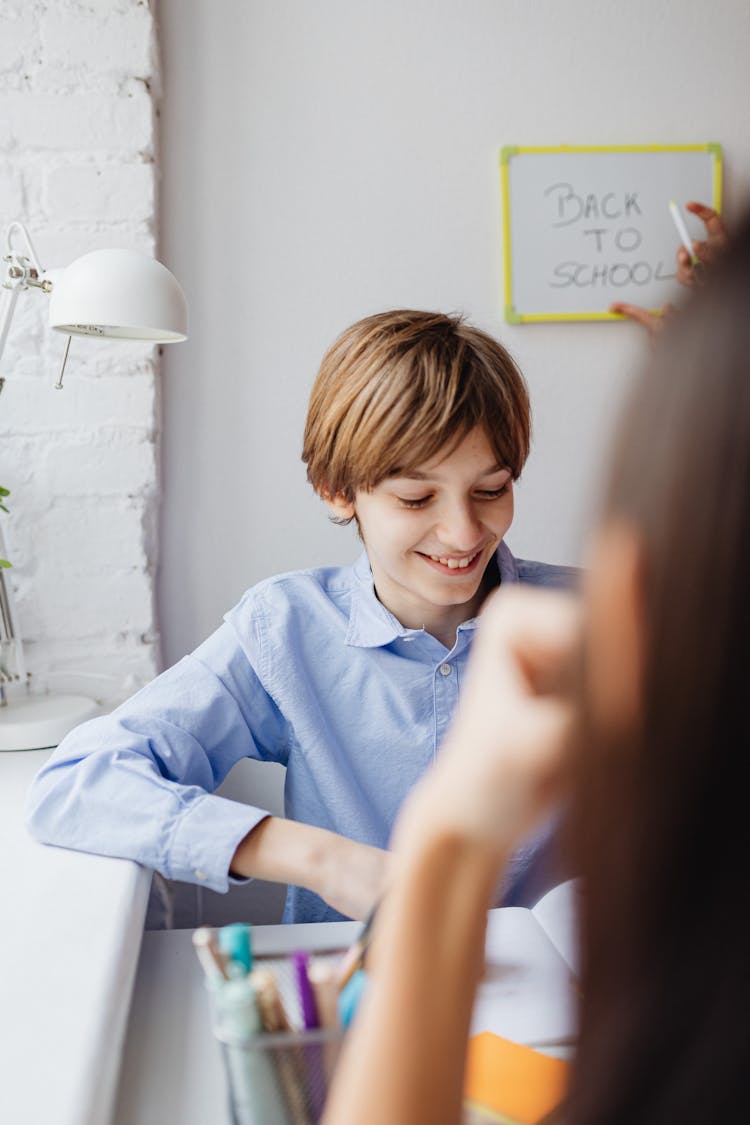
[{"x": 306, "y": 994}]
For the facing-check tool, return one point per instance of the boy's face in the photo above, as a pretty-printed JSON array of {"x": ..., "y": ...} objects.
[{"x": 431, "y": 532}]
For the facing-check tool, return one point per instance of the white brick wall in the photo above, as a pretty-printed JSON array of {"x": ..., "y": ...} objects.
[{"x": 77, "y": 167}]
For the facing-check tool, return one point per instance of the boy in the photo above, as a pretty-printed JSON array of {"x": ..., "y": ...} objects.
[{"x": 417, "y": 427}]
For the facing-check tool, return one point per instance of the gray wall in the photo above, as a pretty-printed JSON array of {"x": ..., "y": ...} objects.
[{"x": 324, "y": 161}]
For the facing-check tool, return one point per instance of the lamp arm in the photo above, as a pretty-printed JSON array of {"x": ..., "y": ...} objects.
[
  {"x": 18, "y": 228},
  {"x": 10, "y": 307},
  {"x": 24, "y": 271}
]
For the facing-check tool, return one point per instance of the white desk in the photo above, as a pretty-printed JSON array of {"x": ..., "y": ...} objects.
[
  {"x": 70, "y": 933},
  {"x": 172, "y": 1069}
]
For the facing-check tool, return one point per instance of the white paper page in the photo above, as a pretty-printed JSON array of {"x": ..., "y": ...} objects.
[
  {"x": 557, "y": 913},
  {"x": 528, "y": 993}
]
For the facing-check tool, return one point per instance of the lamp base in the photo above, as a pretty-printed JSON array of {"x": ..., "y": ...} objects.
[{"x": 37, "y": 722}]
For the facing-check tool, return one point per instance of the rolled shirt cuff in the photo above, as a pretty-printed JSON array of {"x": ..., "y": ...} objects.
[{"x": 205, "y": 838}]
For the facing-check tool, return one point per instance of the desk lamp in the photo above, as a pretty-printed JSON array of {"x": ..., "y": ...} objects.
[{"x": 118, "y": 294}]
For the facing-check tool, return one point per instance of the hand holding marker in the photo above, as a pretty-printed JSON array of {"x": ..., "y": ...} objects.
[{"x": 692, "y": 257}]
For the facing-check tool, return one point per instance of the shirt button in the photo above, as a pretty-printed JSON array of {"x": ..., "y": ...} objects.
[
  {"x": 445, "y": 669},
  {"x": 201, "y": 875}
]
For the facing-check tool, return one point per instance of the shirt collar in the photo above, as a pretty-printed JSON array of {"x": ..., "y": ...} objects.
[{"x": 371, "y": 625}]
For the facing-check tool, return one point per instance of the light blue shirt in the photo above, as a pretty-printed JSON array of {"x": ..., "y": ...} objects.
[{"x": 309, "y": 670}]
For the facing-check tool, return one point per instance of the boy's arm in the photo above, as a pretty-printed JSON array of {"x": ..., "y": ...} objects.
[{"x": 348, "y": 875}]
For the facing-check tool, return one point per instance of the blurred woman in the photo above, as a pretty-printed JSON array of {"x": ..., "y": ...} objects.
[{"x": 648, "y": 748}]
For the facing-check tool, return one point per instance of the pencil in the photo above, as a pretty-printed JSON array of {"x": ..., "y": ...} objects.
[
  {"x": 354, "y": 957},
  {"x": 209, "y": 955}
]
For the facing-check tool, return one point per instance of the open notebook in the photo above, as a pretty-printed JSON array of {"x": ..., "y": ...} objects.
[{"x": 529, "y": 992}]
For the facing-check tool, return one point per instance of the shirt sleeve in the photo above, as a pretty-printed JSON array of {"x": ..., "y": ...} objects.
[{"x": 139, "y": 783}]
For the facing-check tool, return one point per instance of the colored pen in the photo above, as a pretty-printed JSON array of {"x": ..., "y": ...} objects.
[
  {"x": 324, "y": 983},
  {"x": 252, "y": 1071},
  {"x": 270, "y": 1005},
  {"x": 354, "y": 957},
  {"x": 350, "y": 996},
  {"x": 209, "y": 955},
  {"x": 235, "y": 943},
  {"x": 306, "y": 994},
  {"x": 682, "y": 230}
]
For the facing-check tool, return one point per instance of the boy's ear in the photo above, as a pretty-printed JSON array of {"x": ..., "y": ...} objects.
[{"x": 341, "y": 508}]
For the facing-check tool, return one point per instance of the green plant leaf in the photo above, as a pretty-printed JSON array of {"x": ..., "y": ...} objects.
[{"x": 5, "y": 563}]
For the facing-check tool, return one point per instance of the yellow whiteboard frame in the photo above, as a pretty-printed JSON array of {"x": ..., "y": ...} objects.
[{"x": 507, "y": 152}]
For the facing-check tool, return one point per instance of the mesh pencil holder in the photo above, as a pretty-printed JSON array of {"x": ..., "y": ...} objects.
[
  {"x": 274, "y": 1077},
  {"x": 279, "y": 1078}
]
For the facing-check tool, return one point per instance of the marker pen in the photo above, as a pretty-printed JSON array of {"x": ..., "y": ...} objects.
[
  {"x": 682, "y": 230},
  {"x": 306, "y": 994},
  {"x": 235, "y": 943}
]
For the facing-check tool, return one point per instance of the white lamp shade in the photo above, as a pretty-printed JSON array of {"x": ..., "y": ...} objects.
[{"x": 119, "y": 293}]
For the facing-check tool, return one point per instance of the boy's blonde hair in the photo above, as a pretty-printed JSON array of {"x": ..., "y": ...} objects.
[{"x": 396, "y": 388}]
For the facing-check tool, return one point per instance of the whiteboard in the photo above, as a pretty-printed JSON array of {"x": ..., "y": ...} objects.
[{"x": 585, "y": 226}]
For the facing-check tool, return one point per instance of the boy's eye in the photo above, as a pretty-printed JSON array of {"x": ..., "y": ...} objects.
[
  {"x": 481, "y": 494},
  {"x": 492, "y": 493},
  {"x": 419, "y": 503}
]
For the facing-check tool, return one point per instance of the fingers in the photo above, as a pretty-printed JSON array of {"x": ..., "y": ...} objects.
[
  {"x": 702, "y": 211},
  {"x": 504, "y": 758},
  {"x": 706, "y": 250},
  {"x": 651, "y": 321},
  {"x": 717, "y": 232},
  {"x": 685, "y": 270},
  {"x": 534, "y": 635}
]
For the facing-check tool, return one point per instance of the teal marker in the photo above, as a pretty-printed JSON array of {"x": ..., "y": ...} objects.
[
  {"x": 235, "y": 941},
  {"x": 257, "y": 1097}
]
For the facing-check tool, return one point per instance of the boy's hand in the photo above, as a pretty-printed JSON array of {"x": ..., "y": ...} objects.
[
  {"x": 348, "y": 875},
  {"x": 354, "y": 876},
  {"x": 502, "y": 765}
]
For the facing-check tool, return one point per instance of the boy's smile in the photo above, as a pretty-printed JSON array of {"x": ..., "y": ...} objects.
[
  {"x": 455, "y": 564},
  {"x": 431, "y": 531}
]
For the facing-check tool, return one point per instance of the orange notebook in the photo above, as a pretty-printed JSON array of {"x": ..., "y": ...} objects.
[{"x": 508, "y": 1083}]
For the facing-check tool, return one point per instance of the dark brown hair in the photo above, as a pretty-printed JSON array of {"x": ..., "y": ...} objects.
[
  {"x": 396, "y": 388},
  {"x": 663, "y": 828}
]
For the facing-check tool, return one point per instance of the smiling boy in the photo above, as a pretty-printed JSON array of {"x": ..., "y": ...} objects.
[
  {"x": 431, "y": 532},
  {"x": 417, "y": 427}
]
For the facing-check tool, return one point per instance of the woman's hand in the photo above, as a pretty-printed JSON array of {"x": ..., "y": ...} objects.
[
  {"x": 688, "y": 272},
  {"x": 706, "y": 251},
  {"x": 653, "y": 322},
  {"x": 502, "y": 765}
]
